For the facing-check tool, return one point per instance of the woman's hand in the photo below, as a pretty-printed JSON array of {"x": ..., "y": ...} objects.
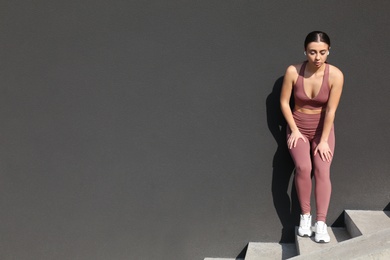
[
  {"x": 293, "y": 139},
  {"x": 324, "y": 151}
]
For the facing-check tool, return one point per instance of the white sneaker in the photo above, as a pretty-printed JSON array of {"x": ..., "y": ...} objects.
[
  {"x": 305, "y": 226},
  {"x": 321, "y": 231}
]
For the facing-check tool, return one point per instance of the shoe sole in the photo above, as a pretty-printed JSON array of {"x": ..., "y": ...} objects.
[
  {"x": 322, "y": 241},
  {"x": 306, "y": 234}
]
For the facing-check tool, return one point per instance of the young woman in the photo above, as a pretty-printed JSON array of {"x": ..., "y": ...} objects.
[{"x": 316, "y": 87}]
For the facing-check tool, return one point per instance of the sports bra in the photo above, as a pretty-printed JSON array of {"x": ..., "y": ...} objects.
[{"x": 319, "y": 101}]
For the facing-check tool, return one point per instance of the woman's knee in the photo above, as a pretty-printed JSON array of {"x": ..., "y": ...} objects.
[
  {"x": 303, "y": 168},
  {"x": 322, "y": 175}
]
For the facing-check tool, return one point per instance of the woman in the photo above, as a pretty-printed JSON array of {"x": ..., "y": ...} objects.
[{"x": 316, "y": 87}]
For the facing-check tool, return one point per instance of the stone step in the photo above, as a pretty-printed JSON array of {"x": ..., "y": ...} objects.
[
  {"x": 366, "y": 236},
  {"x": 306, "y": 245},
  {"x": 271, "y": 251},
  {"x": 360, "y": 222},
  {"x": 367, "y": 246},
  {"x": 210, "y": 258},
  {"x": 369, "y": 233}
]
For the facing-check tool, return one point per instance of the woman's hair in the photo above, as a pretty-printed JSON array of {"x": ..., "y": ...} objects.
[{"x": 317, "y": 36}]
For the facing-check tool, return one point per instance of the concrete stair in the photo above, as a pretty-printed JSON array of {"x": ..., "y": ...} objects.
[
  {"x": 270, "y": 251},
  {"x": 366, "y": 235},
  {"x": 307, "y": 245}
]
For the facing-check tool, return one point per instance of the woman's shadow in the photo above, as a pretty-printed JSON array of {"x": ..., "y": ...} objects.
[{"x": 286, "y": 205}]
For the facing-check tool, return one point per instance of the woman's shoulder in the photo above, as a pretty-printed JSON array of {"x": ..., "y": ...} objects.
[
  {"x": 335, "y": 72},
  {"x": 336, "y": 77},
  {"x": 294, "y": 69}
]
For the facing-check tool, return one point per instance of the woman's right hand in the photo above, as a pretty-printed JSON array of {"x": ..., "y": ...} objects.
[{"x": 293, "y": 139}]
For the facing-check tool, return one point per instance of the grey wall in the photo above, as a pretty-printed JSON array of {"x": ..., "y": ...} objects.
[{"x": 151, "y": 129}]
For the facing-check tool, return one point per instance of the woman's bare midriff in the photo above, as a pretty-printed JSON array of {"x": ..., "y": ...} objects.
[{"x": 308, "y": 111}]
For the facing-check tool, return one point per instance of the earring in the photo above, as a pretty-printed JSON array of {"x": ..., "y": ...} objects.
[
  {"x": 328, "y": 52},
  {"x": 304, "y": 53}
]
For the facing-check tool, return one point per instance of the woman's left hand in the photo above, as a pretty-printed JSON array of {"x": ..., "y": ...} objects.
[{"x": 324, "y": 150}]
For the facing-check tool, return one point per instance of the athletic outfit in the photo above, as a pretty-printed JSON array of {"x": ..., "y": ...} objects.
[{"x": 311, "y": 125}]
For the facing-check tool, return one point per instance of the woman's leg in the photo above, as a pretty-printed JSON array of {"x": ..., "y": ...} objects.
[
  {"x": 323, "y": 186},
  {"x": 303, "y": 166}
]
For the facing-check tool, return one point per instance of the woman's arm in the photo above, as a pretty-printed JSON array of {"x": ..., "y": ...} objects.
[
  {"x": 330, "y": 113},
  {"x": 285, "y": 95}
]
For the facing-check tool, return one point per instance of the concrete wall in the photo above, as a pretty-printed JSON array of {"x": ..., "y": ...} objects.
[{"x": 151, "y": 129}]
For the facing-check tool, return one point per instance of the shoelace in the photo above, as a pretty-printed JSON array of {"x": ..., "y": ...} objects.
[
  {"x": 306, "y": 223},
  {"x": 322, "y": 228}
]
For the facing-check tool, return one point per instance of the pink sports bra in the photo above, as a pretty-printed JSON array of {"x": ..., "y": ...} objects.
[{"x": 319, "y": 101}]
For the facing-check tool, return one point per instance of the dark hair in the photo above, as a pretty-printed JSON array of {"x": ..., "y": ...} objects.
[{"x": 317, "y": 36}]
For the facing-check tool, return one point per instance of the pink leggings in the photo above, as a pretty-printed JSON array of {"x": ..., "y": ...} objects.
[{"x": 311, "y": 127}]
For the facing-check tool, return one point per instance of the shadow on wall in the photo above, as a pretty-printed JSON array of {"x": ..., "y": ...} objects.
[
  {"x": 287, "y": 206},
  {"x": 387, "y": 208}
]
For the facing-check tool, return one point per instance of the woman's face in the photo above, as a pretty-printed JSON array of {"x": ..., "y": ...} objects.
[{"x": 317, "y": 53}]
